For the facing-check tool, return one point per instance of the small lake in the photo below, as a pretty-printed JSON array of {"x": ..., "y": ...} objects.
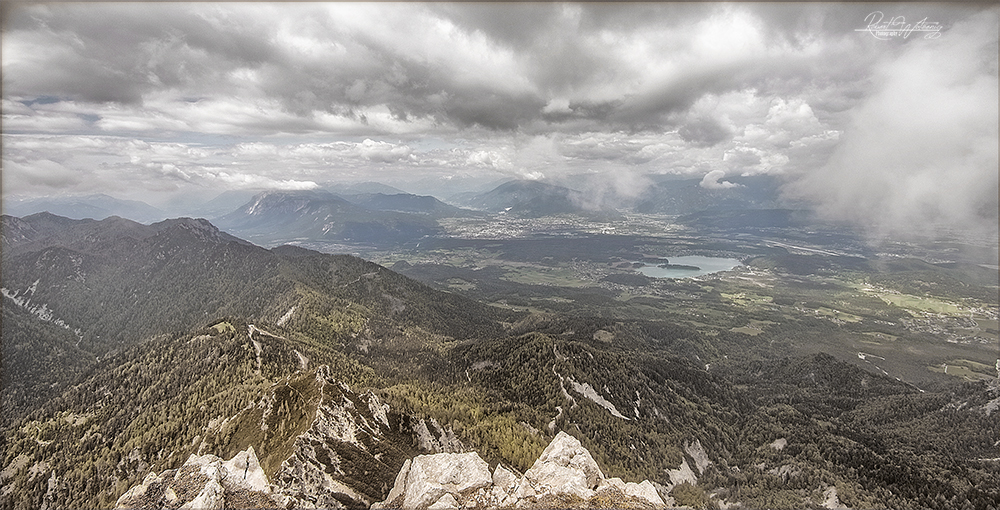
[{"x": 707, "y": 265}]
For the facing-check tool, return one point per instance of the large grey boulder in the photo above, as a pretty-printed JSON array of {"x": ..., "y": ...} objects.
[
  {"x": 450, "y": 481},
  {"x": 565, "y": 467},
  {"x": 644, "y": 491},
  {"x": 399, "y": 487},
  {"x": 430, "y": 477},
  {"x": 244, "y": 470}
]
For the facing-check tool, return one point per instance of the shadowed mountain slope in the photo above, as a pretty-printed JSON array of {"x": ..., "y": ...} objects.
[{"x": 277, "y": 216}]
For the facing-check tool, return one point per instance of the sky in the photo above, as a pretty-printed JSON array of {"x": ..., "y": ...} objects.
[{"x": 161, "y": 101}]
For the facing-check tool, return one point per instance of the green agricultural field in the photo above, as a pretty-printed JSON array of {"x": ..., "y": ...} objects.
[
  {"x": 554, "y": 299},
  {"x": 835, "y": 314},
  {"x": 540, "y": 275},
  {"x": 924, "y": 304},
  {"x": 747, "y": 298},
  {"x": 990, "y": 325},
  {"x": 965, "y": 369}
]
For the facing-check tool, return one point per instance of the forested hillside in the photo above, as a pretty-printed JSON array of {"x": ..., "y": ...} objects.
[{"x": 101, "y": 286}]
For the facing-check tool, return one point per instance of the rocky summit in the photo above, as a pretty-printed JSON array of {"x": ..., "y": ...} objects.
[{"x": 564, "y": 476}]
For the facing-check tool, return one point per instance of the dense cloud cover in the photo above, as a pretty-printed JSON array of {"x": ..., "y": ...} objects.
[{"x": 150, "y": 100}]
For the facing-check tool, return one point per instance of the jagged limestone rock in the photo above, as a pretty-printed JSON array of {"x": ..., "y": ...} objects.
[
  {"x": 611, "y": 483},
  {"x": 335, "y": 461},
  {"x": 433, "y": 476},
  {"x": 379, "y": 410},
  {"x": 695, "y": 450},
  {"x": 523, "y": 490},
  {"x": 400, "y": 485},
  {"x": 447, "y": 502},
  {"x": 212, "y": 497},
  {"x": 682, "y": 474},
  {"x": 204, "y": 482},
  {"x": 343, "y": 451},
  {"x": 504, "y": 478},
  {"x": 643, "y": 491},
  {"x": 434, "y": 438},
  {"x": 244, "y": 470},
  {"x": 565, "y": 467},
  {"x": 563, "y": 473}
]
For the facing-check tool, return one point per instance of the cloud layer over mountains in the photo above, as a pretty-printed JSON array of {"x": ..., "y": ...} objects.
[{"x": 155, "y": 99}]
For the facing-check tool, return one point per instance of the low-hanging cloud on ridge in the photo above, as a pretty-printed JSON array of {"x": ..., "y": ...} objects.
[{"x": 921, "y": 152}]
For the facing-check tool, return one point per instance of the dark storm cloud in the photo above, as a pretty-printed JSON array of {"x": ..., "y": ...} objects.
[
  {"x": 508, "y": 89},
  {"x": 311, "y": 58},
  {"x": 322, "y": 62},
  {"x": 120, "y": 52},
  {"x": 704, "y": 132},
  {"x": 675, "y": 96},
  {"x": 491, "y": 110},
  {"x": 516, "y": 25}
]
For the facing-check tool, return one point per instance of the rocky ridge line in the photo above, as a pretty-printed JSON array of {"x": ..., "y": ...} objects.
[
  {"x": 564, "y": 476},
  {"x": 348, "y": 457}
]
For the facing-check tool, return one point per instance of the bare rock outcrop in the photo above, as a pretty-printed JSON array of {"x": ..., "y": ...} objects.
[
  {"x": 434, "y": 438},
  {"x": 348, "y": 455},
  {"x": 204, "y": 482},
  {"x": 429, "y": 478},
  {"x": 565, "y": 475},
  {"x": 565, "y": 467}
]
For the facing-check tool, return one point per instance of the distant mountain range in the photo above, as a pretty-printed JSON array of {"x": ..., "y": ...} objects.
[
  {"x": 223, "y": 203},
  {"x": 741, "y": 219},
  {"x": 278, "y": 216},
  {"x": 409, "y": 203},
  {"x": 673, "y": 196},
  {"x": 371, "y": 212},
  {"x": 363, "y": 188},
  {"x": 96, "y": 206},
  {"x": 667, "y": 195},
  {"x": 531, "y": 199}
]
